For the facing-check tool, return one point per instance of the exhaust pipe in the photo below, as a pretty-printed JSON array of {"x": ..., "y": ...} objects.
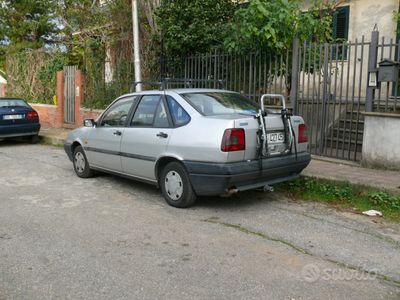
[
  {"x": 229, "y": 193},
  {"x": 268, "y": 188}
]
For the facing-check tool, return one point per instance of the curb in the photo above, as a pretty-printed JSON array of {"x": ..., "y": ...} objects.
[{"x": 390, "y": 190}]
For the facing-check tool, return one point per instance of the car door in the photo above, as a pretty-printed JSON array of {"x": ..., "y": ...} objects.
[
  {"x": 104, "y": 141},
  {"x": 146, "y": 137}
]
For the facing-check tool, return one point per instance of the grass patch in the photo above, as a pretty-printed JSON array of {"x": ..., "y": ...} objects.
[
  {"x": 49, "y": 142},
  {"x": 343, "y": 195}
]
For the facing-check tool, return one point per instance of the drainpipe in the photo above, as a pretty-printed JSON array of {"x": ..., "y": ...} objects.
[{"x": 136, "y": 41}]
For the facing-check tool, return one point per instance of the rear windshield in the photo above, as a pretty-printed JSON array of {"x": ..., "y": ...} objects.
[
  {"x": 13, "y": 103},
  {"x": 220, "y": 103}
]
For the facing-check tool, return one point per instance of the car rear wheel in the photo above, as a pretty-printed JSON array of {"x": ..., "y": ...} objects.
[
  {"x": 176, "y": 187},
  {"x": 81, "y": 165},
  {"x": 34, "y": 139}
]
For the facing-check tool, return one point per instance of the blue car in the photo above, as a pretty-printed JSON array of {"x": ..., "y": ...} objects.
[{"x": 18, "y": 119}]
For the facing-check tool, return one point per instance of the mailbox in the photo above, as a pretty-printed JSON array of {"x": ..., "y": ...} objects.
[{"x": 388, "y": 70}]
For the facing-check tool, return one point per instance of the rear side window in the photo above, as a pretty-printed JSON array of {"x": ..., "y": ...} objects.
[
  {"x": 179, "y": 115},
  {"x": 151, "y": 112},
  {"x": 220, "y": 103},
  {"x": 13, "y": 103}
]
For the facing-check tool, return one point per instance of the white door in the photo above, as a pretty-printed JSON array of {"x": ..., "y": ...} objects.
[
  {"x": 104, "y": 141},
  {"x": 146, "y": 137}
]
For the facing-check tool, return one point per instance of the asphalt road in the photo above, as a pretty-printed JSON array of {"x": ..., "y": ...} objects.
[{"x": 62, "y": 237}]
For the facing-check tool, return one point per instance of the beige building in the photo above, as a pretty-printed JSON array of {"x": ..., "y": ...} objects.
[
  {"x": 356, "y": 18},
  {"x": 364, "y": 14}
]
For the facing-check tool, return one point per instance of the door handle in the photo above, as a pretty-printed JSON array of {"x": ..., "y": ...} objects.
[
  {"x": 162, "y": 135},
  {"x": 119, "y": 133}
]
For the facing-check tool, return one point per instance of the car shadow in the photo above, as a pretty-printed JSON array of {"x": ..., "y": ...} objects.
[
  {"x": 239, "y": 200},
  {"x": 14, "y": 141},
  {"x": 247, "y": 199}
]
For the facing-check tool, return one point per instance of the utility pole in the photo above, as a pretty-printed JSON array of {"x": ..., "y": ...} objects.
[{"x": 136, "y": 49}]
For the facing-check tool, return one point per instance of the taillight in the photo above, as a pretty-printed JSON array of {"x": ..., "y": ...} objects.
[
  {"x": 233, "y": 140},
  {"x": 303, "y": 138},
  {"x": 32, "y": 115}
]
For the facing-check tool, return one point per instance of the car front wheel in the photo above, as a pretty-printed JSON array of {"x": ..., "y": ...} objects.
[
  {"x": 81, "y": 165},
  {"x": 176, "y": 187}
]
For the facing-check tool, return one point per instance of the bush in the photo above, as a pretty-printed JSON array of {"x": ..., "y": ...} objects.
[{"x": 31, "y": 75}]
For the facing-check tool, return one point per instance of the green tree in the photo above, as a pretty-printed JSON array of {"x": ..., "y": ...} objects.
[
  {"x": 95, "y": 36},
  {"x": 266, "y": 24},
  {"x": 27, "y": 24},
  {"x": 194, "y": 26}
]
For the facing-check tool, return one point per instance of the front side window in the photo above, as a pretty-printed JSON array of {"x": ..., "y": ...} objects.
[
  {"x": 220, "y": 103},
  {"x": 118, "y": 113},
  {"x": 151, "y": 112}
]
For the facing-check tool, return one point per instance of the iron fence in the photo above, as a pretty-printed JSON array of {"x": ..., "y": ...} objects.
[
  {"x": 252, "y": 74},
  {"x": 328, "y": 84}
]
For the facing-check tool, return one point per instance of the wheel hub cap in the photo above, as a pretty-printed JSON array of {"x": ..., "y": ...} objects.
[
  {"x": 173, "y": 185},
  {"x": 80, "y": 162}
]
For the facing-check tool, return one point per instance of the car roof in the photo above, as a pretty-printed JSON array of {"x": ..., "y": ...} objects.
[{"x": 179, "y": 91}]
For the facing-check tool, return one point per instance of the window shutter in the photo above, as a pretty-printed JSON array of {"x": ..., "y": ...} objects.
[{"x": 341, "y": 23}]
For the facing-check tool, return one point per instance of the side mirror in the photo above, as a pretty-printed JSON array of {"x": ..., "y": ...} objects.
[{"x": 89, "y": 123}]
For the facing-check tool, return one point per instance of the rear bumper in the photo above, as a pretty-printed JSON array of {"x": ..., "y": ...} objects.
[
  {"x": 209, "y": 179},
  {"x": 9, "y": 131}
]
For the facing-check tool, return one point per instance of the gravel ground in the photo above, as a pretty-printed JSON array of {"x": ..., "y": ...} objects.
[{"x": 111, "y": 238}]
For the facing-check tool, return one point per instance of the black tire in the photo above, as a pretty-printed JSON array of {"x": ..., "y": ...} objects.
[
  {"x": 183, "y": 196},
  {"x": 81, "y": 165},
  {"x": 34, "y": 139}
]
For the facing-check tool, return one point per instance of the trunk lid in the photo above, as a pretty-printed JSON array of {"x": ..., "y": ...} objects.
[{"x": 275, "y": 130}]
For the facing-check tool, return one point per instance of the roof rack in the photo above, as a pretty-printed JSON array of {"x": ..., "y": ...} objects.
[{"x": 188, "y": 83}]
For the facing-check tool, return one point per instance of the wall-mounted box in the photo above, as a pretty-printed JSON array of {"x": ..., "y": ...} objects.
[{"x": 388, "y": 71}]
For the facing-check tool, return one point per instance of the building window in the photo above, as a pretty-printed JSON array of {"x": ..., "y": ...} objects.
[
  {"x": 341, "y": 31},
  {"x": 341, "y": 24}
]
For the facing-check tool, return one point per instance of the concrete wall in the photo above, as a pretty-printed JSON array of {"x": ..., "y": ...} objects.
[
  {"x": 381, "y": 146},
  {"x": 364, "y": 14}
]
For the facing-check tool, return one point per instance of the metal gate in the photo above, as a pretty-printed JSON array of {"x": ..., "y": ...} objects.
[
  {"x": 69, "y": 94},
  {"x": 331, "y": 96}
]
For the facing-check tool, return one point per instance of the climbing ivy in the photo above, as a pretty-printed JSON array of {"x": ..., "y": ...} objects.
[{"x": 31, "y": 75}]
